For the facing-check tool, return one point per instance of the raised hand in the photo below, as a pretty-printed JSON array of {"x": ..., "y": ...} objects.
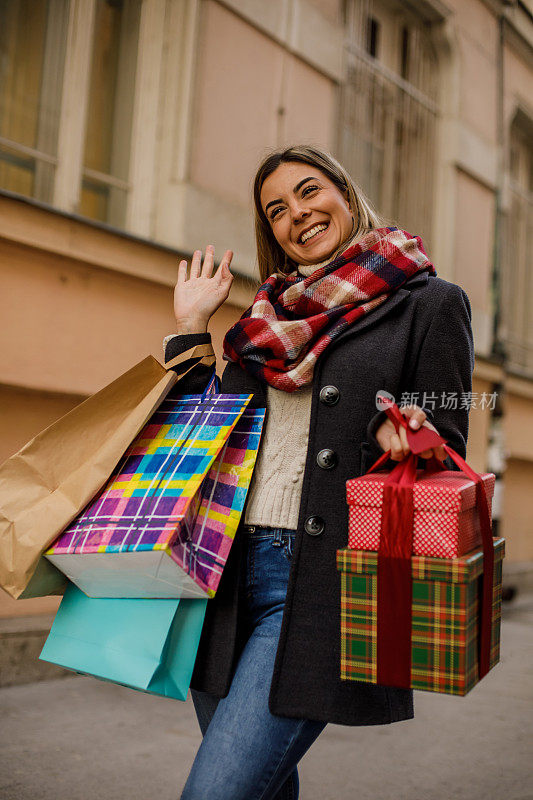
[{"x": 197, "y": 297}]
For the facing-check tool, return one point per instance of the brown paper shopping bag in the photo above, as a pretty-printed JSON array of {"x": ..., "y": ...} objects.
[{"x": 52, "y": 478}]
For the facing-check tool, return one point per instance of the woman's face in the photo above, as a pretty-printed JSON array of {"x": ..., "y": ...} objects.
[{"x": 309, "y": 216}]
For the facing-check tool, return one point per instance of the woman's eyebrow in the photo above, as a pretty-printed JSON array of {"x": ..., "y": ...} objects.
[
  {"x": 296, "y": 188},
  {"x": 299, "y": 185},
  {"x": 272, "y": 203}
]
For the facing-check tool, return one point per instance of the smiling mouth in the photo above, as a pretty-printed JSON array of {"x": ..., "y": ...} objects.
[{"x": 310, "y": 234}]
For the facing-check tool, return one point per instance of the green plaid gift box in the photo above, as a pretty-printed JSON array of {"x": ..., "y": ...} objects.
[{"x": 445, "y": 621}]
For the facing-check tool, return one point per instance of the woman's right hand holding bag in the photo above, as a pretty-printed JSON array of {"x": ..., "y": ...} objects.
[{"x": 197, "y": 297}]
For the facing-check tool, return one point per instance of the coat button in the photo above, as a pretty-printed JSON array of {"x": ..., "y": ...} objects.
[
  {"x": 329, "y": 395},
  {"x": 314, "y": 526},
  {"x": 326, "y": 459}
]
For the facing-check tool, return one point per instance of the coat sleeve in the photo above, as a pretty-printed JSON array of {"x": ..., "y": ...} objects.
[
  {"x": 441, "y": 381},
  {"x": 443, "y": 375},
  {"x": 184, "y": 345}
]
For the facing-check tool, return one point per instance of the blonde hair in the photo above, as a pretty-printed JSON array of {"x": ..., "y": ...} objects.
[{"x": 270, "y": 255}]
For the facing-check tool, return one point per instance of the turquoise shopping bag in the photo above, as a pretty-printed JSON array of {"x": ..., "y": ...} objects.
[{"x": 149, "y": 645}]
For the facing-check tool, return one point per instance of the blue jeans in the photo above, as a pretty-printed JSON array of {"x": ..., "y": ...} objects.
[{"x": 247, "y": 753}]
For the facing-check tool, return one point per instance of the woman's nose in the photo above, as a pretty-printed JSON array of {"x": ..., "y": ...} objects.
[{"x": 299, "y": 212}]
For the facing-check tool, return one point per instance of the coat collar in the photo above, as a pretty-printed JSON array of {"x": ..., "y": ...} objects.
[
  {"x": 397, "y": 297},
  {"x": 419, "y": 279}
]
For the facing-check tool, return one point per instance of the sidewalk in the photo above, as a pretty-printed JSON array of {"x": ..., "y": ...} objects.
[{"x": 82, "y": 739}]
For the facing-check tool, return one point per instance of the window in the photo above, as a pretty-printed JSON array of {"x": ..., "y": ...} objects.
[
  {"x": 32, "y": 55},
  {"x": 109, "y": 112},
  {"x": 517, "y": 276},
  {"x": 372, "y": 36},
  {"x": 404, "y": 64},
  {"x": 67, "y": 90},
  {"x": 388, "y": 111}
]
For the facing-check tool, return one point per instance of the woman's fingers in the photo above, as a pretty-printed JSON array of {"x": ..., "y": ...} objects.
[
  {"x": 223, "y": 268},
  {"x": 195, "y": 264},
  {"x": 414, "y": 414},
  {"x": 440, "y": 452},
  {"x": 205, "y": 270},
  {"x": 397, "y": 442},
  {"x": 399, "y": 446},
  {"x": 209, "y": 261},
  {"x": 396, "y": 449},
  {"x": 403, "y": 439},
  {"x": 182, "y": 271}
]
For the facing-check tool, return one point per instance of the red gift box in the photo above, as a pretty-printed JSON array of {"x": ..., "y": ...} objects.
[{"x": 446, "y": 521}]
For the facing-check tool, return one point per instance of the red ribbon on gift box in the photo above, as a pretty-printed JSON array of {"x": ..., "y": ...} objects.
[{"x": 394, "y": 577}]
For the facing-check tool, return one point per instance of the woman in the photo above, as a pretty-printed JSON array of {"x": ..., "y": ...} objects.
[{"x": 347, "y": 307}]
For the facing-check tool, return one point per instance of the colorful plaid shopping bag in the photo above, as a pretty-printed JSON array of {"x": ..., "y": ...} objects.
[{"x": 164, "y": 523}]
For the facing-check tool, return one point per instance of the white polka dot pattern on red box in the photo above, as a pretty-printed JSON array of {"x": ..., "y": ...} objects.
[
  {"x": 446, "y": 524},
  {"x": 447, "y": 490}
]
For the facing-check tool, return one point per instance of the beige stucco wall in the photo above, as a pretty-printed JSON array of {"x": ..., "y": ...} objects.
[
  {"x": 229, "y": 119},
  {"x": 25, "y": 413},
  {"x": 70, "y": 327},
  {"x": 478, "y": 428},
  {"x": 517, "y": 510},
  {"x": 477, "y": 34},
  {"x": 519, "y": 425},
  {"x": 517, "y": 506},
  {"x": 474, "y": 242}
]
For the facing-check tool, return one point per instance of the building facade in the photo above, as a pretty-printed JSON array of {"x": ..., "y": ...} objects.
[{"x": 130, "y": 131}]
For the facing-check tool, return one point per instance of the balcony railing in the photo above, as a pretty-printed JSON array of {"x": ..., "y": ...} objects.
[{"x": 387, "y": 141}]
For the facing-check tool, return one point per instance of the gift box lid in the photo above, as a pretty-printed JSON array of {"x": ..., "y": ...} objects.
[
  {"x": 450, "y": 570},
  {"x": 441, "y": 492}
]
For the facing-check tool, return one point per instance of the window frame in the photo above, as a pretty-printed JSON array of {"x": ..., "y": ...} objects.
[
  {"x": 138, "y": 184},
  {"x": 408, "y": 101}
]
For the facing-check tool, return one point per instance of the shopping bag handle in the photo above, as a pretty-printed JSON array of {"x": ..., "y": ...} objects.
[{"x": 213, "y": 385}]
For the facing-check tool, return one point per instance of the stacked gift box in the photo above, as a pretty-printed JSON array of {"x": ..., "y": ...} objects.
[{"x": 447, "y": 573}]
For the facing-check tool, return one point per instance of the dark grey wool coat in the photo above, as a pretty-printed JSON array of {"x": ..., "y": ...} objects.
[{"x": 419, "y": 340}]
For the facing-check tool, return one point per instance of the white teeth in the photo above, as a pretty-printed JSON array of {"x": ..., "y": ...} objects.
[{"x": 313, "y": 232}]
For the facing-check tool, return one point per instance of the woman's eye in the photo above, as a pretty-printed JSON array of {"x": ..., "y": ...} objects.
[
  {"x": 308, "y": 189},
  {"x": 275, "y": 212}
]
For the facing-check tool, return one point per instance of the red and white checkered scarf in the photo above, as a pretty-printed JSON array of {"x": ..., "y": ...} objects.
[{"x": 293, "y": 318}]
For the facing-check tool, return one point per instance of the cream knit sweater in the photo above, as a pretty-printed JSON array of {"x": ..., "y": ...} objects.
[{"x": 276, "y": 487}]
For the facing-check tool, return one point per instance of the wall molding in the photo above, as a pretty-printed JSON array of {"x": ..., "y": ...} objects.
[{"x": 298, "y": 27}]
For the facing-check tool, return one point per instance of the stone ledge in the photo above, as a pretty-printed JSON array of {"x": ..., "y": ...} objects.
[
  {"x": 21, "y": 642},
  {"x": 519, "y": 575}
]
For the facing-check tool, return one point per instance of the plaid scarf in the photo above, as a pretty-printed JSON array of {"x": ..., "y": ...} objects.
[{"x": 293, "y": 318}]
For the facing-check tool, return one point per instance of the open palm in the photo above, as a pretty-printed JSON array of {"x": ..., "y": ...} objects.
[{"x": 197, "y": 297}]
